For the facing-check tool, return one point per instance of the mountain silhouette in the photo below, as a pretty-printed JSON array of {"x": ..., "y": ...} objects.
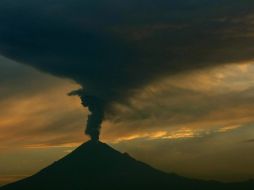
[{"x": 95, "y": 165}]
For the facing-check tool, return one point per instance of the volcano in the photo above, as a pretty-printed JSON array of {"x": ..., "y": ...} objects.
[{"x": 95, "y": 165}]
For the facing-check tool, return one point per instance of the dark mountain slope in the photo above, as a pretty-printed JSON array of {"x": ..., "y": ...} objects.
[{"x": 95, "y": 165}]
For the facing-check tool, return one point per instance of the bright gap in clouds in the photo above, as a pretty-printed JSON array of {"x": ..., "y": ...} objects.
[{"x": 189, "y": 105}]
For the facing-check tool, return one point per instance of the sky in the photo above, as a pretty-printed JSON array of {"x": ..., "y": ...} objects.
[{"x": 177, "y": 84}]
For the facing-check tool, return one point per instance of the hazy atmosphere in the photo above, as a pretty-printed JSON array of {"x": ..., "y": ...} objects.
[
  {"x": 198, "y": 125},
  {"x": 173, "y": 88}
]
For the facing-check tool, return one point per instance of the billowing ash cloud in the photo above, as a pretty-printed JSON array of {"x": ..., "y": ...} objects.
[
  {"x": 97, "y": 107},
  {"x": 114, "y": 47}
]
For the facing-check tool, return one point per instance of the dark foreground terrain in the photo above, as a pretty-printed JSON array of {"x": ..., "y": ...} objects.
[{"x": 95, "y": 165}]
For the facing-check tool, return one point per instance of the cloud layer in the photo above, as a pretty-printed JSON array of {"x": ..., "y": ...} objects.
[{"x": 112, "y": 48}]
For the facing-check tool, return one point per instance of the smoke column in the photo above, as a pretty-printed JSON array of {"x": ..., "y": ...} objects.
[{"x": 96, "y": 108}]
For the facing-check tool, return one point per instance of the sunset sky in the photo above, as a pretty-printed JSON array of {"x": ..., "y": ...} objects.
[{"x": 192, "y": 115}]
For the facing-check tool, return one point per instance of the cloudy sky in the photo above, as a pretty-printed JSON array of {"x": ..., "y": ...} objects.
[{"x": 177, "y": 83}]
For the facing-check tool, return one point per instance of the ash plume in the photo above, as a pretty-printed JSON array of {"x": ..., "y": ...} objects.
[
  {"x": 113, "y": 48},
  {"x": 96, "y": 108}
]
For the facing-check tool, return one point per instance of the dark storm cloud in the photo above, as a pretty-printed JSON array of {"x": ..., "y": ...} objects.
[{"x": 113, "y": 47}]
